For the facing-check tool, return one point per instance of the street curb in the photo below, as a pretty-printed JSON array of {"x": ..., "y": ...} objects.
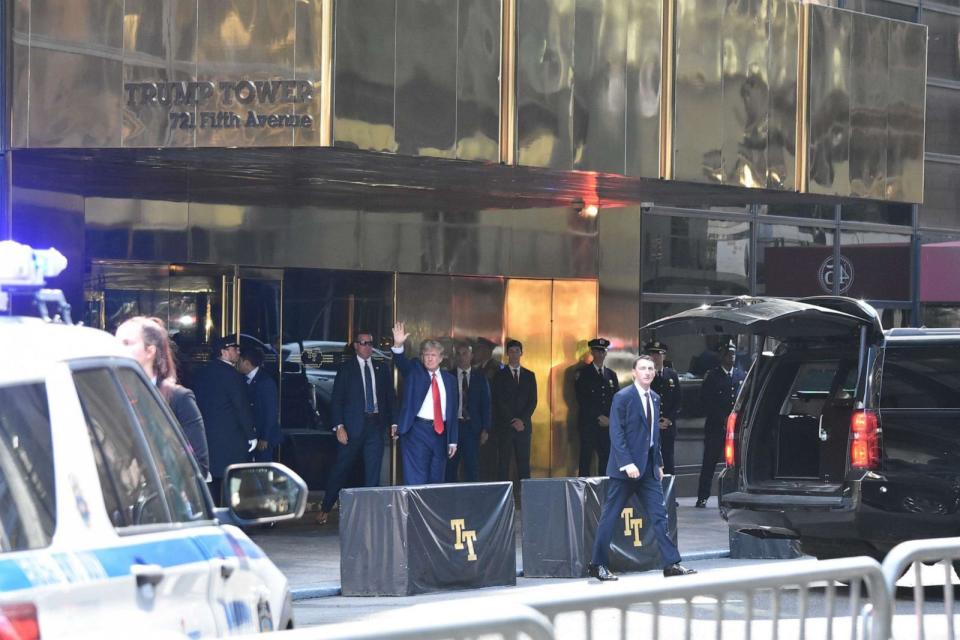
[{"x": 332, "y": 589}]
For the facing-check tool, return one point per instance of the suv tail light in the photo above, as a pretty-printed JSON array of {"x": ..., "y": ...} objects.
[
  {"x": 730, "y": 439},
  {"x": 864, "y": 440},
  {"x": 19, "y": 622}
]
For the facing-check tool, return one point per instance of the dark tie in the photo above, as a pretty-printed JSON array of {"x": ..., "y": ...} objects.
[
  {"x": 368, "y": 386},
  {"x": 649, "y": 410},
  {"x": 464, "y": 386},
  {"x": 516, "y": 375},
  {"x": 437, "y": 407}
]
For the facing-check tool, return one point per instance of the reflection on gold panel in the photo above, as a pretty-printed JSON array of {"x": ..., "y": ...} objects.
[
  {"x": 574, "y": 323},
  {"x": 698, "y": 94},
  {"x": 643, "y": 87},
  {"x": 477, "y": 308},
  {"x": 478, "y": 80},
  {"x": 905, "y": 120},
  {"x": 19, "y": 89},
  {"x": 829, "y": 101},
  {"x": 424, "y": 305},
  {"x": 619, "y": 279},
  {"x": 527, "y": 319},
  {"x": 868, "y": 106},
  {"x": 308, "y": 63},
  {"x": 83, "y": 22},
  {"x": 782, "y": 80},
  {"x": 247, "y": 44}
]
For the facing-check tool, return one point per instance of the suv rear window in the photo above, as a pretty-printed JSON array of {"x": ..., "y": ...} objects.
[
  {"x": 921, "y": 377},
  {"x": 27, "y": 498}
]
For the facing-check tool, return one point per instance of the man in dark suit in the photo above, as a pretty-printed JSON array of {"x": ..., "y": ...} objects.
[
  {"x": 361, "y": 412},
  {"x": 483, "y": 358},
  {"x": 595, "y": 385},
  {"x": 514, "y": 401},
  {"x": 473, "y": 416},
  {"x": 264, "y": 402},
  {"x": 427, "y": 427},
  {"x": 223, "y": 402},
  {"x": 719, "y": 391},
  {"x": 667, "y": 385},
  {"x": 635, "y": 467}
]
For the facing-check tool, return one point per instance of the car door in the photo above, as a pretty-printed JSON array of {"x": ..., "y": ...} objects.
[{"x": 155, "y": 514}]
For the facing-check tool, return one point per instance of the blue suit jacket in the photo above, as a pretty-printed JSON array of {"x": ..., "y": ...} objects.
[
  {"x": 630, "y": 433},
  {"x": 478, "y": 398},
  {"x": 263, "y": 397},
  {"x": 348, "y": 403},
  {"x": 416, "y": 384}
]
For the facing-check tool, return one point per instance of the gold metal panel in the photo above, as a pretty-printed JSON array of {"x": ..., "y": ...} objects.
[
  {"x": 245, "y": 40},
  {"x": 478, "y": 80},
  {"x": 90, "y": 23},
  {"x": 551, "y": 242},
  {"x": 782, "y": 72},
  {"x": 159, "y": 45},
  {"x": 698, "y": 93},
  {"x": 829, "y": 100},
  {"x": 121, "y": 229},
  {"x": 619, "y": 278},
  {"x": 476, "y": 307},
  {"x": 574, "y": 320},
  {"x": 545, "y": 32},
  {"x": 364, "y": 75},
  {"x": 75, "y": 99},
  {"x": 309, "y": 65},
  {"x": 643, "y": 88},
  {"x": 426, "y": 77},
  {"x": 905, "y": 121},
  {"x": 526, "y": 308},
  {"x": 746, "y": 100},
  {"x": 599, "y": 85},
  {"x": 19, "y": 90},
  {"x": 425, "y": 306},
  {"x": 508, "y": 82},
  {"x": 868, "y": 106}
]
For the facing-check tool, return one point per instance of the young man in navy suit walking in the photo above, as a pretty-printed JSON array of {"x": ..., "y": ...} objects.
[
  {"x": 427, "y": 427},
  {"x": 473, "y": 415},
  {"x": 361, "y": 411},
  {"x": 635, "y": 467}
]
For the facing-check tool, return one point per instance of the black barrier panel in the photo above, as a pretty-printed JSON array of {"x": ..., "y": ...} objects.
[
  {"x": 399, "y": 541},
  {"x": 560, "y": 518}
]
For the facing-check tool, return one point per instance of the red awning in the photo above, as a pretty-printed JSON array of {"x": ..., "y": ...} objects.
[{"x": 940, "y": 272}]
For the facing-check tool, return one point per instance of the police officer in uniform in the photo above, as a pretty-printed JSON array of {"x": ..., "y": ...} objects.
[
  {"x": 595, "y": 386},
  {"x": 717, "y": 395},
  {"x": 667, "y": 385}
]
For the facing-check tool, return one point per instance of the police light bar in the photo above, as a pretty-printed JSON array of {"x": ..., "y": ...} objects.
[{"x": 24, "y": 266}]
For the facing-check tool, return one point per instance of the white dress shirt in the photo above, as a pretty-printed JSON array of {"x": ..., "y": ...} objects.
[
  {"x": 426, "y": 409},
  {"x": 252, "y": 374}
]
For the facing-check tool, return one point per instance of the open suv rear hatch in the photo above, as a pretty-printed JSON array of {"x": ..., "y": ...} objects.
[{"x": 795, "y": 409}]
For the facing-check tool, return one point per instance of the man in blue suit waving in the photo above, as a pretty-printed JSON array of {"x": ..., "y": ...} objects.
[
  {"x": 635, "y": 466},
  {"x": 427, "y": 425}
]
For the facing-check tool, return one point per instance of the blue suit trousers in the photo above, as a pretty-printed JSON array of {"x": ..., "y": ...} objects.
[{"x": 424, "y": 454}]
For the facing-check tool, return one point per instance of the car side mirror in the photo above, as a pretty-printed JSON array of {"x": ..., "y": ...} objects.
[{"x": 263, "y": 492}]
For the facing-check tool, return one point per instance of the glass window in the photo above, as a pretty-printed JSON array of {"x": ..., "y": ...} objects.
[
  {"x": 874, "y": 265},
  {"x": 131, "y": 490},
  {"x": 177, "y": 473},
  {"x": 27, "y": 496},
  {"x": 794, "y": 260},
  {"x": 885, "y": 9},
  {"x": 690, "y": 355},
  {"x": 695, "y": 255},
  {"x": 878, "y": 212},
  {"x": 817, "y": 211},
  {"x": 939, "y": 286},
  {"x": 941, "y": 192},
  {"x": 943, "y": 53},
  {"x": 943, "y": 120},
  {"x": 921, "y": 377}
]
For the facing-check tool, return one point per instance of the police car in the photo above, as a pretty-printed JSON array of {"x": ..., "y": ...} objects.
[{"x": 106, "y": 526}]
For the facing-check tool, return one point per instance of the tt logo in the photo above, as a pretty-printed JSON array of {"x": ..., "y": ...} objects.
[
  {"x": 464, "y": 537},
  {"x": 632, "y": 526}
]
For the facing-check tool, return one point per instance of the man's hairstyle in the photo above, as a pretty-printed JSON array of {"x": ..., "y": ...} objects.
[
  {"x": 514, "y": 343},
  {"x": 252, "y": 354},
  {"x": 362, "y": 332},
  {"x": 431, "y": 344},
  {"x": 642, "y": 357},
  {"x": 460, "y": 344}
]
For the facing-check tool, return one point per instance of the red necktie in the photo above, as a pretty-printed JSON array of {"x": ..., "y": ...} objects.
[{"x": 437, "y": 410}]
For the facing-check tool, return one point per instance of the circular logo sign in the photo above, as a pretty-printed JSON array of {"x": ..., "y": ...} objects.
[{"x": 828, "y": 274}]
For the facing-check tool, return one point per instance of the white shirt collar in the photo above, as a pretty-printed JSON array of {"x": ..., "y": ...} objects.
[
  {"x": 641, "y": 389},
  {"x": 253, "y": 373}
]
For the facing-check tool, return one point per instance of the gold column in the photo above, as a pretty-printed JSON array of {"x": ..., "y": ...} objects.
[
  {"x": 803, "y": 99},
  {"x": 326, "y": 74},
  {"x": 668, "y": 50},
  {"x": 508, "y": 82}
]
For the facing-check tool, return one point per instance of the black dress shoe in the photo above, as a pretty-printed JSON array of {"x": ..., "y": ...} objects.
[
  {"x": 600, "y": 572},
  {"x": 677, "y": 569},
  {"x": 701, "y": 503}
]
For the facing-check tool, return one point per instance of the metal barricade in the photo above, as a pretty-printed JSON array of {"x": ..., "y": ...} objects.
[
  {"x": 868, "y": 615},
  {"x": 912, "y": 554}
]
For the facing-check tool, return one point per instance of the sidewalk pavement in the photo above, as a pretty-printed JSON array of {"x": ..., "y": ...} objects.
[{"x": 309, "y": 555}]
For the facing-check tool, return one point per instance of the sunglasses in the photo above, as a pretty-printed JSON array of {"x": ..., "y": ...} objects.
[{"x": 364, "y": 343}]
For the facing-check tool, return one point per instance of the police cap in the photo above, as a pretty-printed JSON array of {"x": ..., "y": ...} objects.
[
  {"x": 655, "y": 346},
  {"x": 729, "y": 347},
  {"x": 225, "y": 342},
  {"x": 601, "y": 344}
]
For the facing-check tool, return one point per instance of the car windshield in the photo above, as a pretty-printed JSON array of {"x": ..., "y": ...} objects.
[{"x": 27, "y": 499}]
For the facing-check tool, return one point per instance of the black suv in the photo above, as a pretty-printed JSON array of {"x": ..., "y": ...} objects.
[{"x": 844, "y": 436}]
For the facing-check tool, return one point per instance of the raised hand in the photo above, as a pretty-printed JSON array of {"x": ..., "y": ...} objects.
[{"x": 399, "y": 335}]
